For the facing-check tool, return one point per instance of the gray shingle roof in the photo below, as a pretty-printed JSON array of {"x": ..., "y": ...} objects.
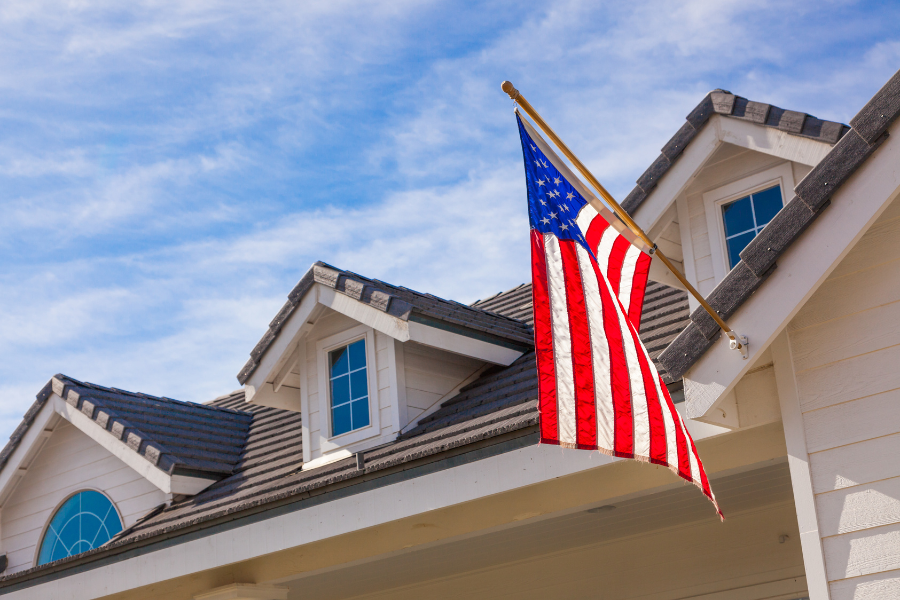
[
  {"x": 725, "y": 103},
  {"x": 171, "y": 435},
  {"x": 397, "y": 301},
  {"x": 812, "y": 196}
]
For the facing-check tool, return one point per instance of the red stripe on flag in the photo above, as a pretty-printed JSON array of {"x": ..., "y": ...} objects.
[
  {"x": 620, "y": 384},
  {"x": 658, "y": 448},
  {"x": 595, "y": 233},
  {"x": 543, "y": 342},
  {"x": 616, "y": 258},
  {"x": 582, "y": 363},
  {"x": 638, "y": 287},
  {"x": 684, "y": 459}
]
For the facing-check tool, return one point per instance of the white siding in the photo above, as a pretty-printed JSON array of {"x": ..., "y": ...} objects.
[
  {"x": 69, "y": 462},
  {"x": 431, "y": 375},
  {"x": 844, "y": 344}
]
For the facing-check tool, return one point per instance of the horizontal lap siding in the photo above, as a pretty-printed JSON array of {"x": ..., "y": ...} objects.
[
  {"x": 430, "y": 375},
  {"x": 69, "y": 462},
  {"x": 845, "y": 344}
]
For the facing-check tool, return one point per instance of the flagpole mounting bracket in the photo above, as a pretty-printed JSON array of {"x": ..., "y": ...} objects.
[{"x": 740, "y": 342}]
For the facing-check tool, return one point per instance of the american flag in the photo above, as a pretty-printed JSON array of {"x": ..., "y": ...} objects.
[{"x": 598, "y": 388}]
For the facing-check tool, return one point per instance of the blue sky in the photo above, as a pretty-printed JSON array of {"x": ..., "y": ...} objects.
[{"x": 169, "y": 169}]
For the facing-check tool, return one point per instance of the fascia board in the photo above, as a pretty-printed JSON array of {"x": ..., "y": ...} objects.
[
  {"x": 800, "y": 272},
  {"x": 461, "y": 344},
  {"x": 677, "y": 178},
  {"x": 363, "y": 313},
  {"x": 277, "y": 352},
  {"x": 169, "y": 484},
  {"x": 117, "y": 448},
  {"x": 769, "y": 140},
  {"x": 9, "y": 477}
]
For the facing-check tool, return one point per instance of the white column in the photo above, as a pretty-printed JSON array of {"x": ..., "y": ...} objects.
[{"x": 798, "y": 460}]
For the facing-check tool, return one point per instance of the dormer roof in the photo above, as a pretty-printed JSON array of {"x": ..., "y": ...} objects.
[
  {"x": 399, "y": 302},
  {"x": 722, "y": 102}
]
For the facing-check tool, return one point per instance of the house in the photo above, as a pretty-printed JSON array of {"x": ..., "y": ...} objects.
[{"x": 383, "y": 442}]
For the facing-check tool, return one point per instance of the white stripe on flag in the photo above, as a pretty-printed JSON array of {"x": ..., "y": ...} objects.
[
  {"x": 584, "y": 219},
  {"x": 562, "y": 341},
  {"x": 628, "y": 267},
  {"x": 638, "y": 394},
  {"x": 599, "y": 351},
  {"x": 603, "y": 250}
]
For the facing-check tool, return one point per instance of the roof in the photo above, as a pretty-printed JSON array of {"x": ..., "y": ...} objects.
[
  {"x": 725, "y": 103},
  {"x": 171, "y": 435},
  {"x": 812, "y": 196},
  {"x": 267, "y": 468},
  {"x": 397, "y": 301}
]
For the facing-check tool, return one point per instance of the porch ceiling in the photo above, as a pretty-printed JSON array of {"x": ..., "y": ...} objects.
[{"x": 739, "y": 494}]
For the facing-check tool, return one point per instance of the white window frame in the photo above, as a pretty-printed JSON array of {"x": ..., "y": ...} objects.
[
  {"x": 328, "y": 442},
  {"x": 713, "y": 200}
]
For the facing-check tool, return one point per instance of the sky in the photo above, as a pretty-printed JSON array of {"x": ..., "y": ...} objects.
[{"x": 170, "y": 169}]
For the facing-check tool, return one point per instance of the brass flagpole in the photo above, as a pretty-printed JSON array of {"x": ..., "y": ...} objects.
[{"x": 737, "y": 342}]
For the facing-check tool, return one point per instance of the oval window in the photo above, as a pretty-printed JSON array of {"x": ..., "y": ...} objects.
[{"x": 85, "y": 521}]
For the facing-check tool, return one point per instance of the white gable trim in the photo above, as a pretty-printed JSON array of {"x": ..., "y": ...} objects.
[
  {"x": 169, "y": 484},
  {"x": 721, "y": 129},
  {"x": 800, "y": 272},
  {"x": 29, "y": 446}
]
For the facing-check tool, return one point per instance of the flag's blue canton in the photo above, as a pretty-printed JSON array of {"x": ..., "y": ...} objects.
[{"x": 553, "y": 204}]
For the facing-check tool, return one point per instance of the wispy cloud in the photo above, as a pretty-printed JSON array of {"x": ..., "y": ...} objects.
[{"x": 170, "y": 169}]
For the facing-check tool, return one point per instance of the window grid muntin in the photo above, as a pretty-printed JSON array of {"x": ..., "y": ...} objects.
[
  {"x": 756, "y": 226},
  {"x": 110, "y": 524},
  {"x": 358, "y": 406}
]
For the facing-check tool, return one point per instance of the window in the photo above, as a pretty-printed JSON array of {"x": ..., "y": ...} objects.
[
  {"x": 85, "y": 521},
  {"x": 349, "y": 385},
  {"x": 744, "y": 219}
]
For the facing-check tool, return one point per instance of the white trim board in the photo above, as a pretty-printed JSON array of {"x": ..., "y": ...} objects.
[
  {"x": 801, "y": 270},
  {"x": 169, "y": 484}
]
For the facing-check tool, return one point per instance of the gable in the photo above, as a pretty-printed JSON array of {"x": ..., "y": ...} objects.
[
  {"x": 67, "y": 462},
  {"x": 758, "y": 298}
]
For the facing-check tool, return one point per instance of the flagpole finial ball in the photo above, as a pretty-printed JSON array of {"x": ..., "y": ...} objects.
[{"x": 510, "y": 89}]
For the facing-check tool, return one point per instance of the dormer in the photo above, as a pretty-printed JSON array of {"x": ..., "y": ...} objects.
[
  {"x": 364, "y": 361},
  {"x": 725, "y": 174}
]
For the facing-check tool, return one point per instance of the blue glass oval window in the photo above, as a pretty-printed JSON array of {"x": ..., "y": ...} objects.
[{"x": 85, "y": 521}]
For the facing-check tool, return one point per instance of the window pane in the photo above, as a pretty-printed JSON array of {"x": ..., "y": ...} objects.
[
  {"x": 90, "y": 527},
  {"x": 84, "y": 522},
  {"x": 767, "y": 204},
  {"x": 738, "y": 216},
  {"x": 358, "y": 384},
  {"x": 340, "y": 390},
  {"x": 339, "y": 364},
  {"x": 340, "y": 419},
  {"x": 358, "y": 354},
  {"x": 360, "y": 413},
  {"x": 736, "y": 244}
]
